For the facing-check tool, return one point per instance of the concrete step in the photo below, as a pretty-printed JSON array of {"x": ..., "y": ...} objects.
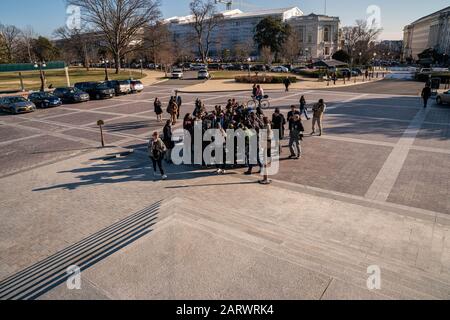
[{"x": 344, "y": 263}]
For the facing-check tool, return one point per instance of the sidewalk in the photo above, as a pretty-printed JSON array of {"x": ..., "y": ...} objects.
[
  {"x": 284, "y": 244},
  {"x": 230, "y": 85}
]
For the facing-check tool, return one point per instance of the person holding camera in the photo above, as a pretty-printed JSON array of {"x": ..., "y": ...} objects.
[{"x": 296, "y": 136}]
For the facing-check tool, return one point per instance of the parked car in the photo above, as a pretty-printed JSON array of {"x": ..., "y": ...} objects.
[
  {"x": 16, "y": 105},
  {"x": 177, "y": 74},
  {"x": 279, "y": 69},
  {"x": 298, "y": 70},
  {"x": 71, "y": 95},
  {"x": 44, "y": 99},
  {"x": 288, "y": 66},
  {"x": 96, "y": 90},
  {"x": 215, "y": 66},
  {"x": 345, "y": 72},
  {"x": 136, "y": 86},
  {"x": 119, "y": 86},
  {"x": 443, "y": 98},
  {"x": 237, "y": 67},
  {"x": 198, "y": 66},
  {"x": 153, "y": 66},
  {"x": 357, "y": 71},
  {"x": 203, "y": 74},
  {"x": 260, "y": 67}
]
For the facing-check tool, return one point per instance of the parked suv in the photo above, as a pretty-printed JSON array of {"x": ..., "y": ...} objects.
[
  {"x": 136, "y": 86},
  {"x": 120, "y": 86},
  {"x": 44, "y": 99},
  {"x": 177, "y": 74},
  {"x": 71, "y": 95},
  {"x": 96, "y": 90},
  {"x": 203, "y": 74}
]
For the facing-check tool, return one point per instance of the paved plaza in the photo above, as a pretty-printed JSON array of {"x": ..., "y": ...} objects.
[{"x": 374, "y": 190}]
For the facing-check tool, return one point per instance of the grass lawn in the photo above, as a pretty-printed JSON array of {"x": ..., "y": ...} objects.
[{"x": 10, "y": 80}]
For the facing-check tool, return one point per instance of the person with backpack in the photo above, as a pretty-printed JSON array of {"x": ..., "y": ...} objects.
[
  {"x": 426, "y": 94},
  {"x": 156, "y": 150},
  {"x": 303, "y": 107}
]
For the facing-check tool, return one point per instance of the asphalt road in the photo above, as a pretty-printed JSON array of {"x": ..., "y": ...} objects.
[{"x": 397, "y": 87}]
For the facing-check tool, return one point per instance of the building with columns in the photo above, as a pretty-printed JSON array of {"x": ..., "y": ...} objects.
[
  {"x": 432, "y": 31},
  {"x": 319, "y": 34}
]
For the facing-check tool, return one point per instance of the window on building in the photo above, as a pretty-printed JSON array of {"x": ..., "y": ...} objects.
[
  {"x": 327, "y": 51},
  {"x": 326, "y": 34},
  {"x": 309, "y": 38}
]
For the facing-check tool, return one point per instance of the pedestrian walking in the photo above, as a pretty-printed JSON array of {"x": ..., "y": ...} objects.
[
  {"x": 303, "y": 107},
  {"x": 287, "y": 83},
  {"x": 167, "y": 139},
  {"x": 158, "y": 109},
  {"x": 426, "y": 94},
  {"x": 296, "y": 135},
  {"x": 156, "y": 150},
  {"x": 318, "y": 111}
]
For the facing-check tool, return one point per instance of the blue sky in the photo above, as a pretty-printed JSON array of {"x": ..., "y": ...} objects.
[{"x": 47, "y": 15}]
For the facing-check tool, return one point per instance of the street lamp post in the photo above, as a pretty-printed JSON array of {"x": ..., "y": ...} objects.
[
  {"x": 105, "y": 63},
  {"x": 41, "y": 65}
]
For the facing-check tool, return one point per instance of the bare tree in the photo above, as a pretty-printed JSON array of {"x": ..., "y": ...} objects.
[
  {"x": 120, "y": 21},
  {"x": 28, "y": 37},
  {"x": 205, "y": 21},
  {"x": 266, "y": 55},
  {"x": 359, "y": 39},
  {"x": 76, "y": 42},
  {"x": 291, "y": 47},
  {"x": 241, "y": 52},
  {"x": 11, "y": 37},
  {"x": 157, "y": 41}
]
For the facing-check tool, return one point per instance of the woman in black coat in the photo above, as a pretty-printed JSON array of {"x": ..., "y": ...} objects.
[{"x": 158, "y": 109}]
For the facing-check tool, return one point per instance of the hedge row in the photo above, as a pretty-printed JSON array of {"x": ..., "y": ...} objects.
[{"x": 263, "y": 79}]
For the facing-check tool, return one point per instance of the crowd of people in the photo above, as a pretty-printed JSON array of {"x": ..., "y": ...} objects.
[{"x": 232, "y": 117}]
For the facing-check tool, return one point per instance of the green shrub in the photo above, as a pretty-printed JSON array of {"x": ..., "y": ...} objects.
[
  {"x": 312, "y": 73},
  {"x": 263, "y": 79}
]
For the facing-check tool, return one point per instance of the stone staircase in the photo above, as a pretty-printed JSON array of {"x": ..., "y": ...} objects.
[{"x": 301, "y": 246}]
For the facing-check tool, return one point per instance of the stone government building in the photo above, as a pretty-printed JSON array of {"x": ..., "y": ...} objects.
[
  {"x": 432, "y": 31},
  {"x": 319, "y": 34}
]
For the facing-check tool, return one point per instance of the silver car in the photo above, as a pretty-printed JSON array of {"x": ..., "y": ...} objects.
[
  {"x": 16, "y": 105},
  {"x": 443, "y": 97}
]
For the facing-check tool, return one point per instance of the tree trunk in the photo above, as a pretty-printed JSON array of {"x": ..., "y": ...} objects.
[{"x": 117, "y": 61}]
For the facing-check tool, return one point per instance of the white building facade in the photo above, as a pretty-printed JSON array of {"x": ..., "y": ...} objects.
[
  {"x": 319, "y": 35},
  {"x": 432, "y": 31}
]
